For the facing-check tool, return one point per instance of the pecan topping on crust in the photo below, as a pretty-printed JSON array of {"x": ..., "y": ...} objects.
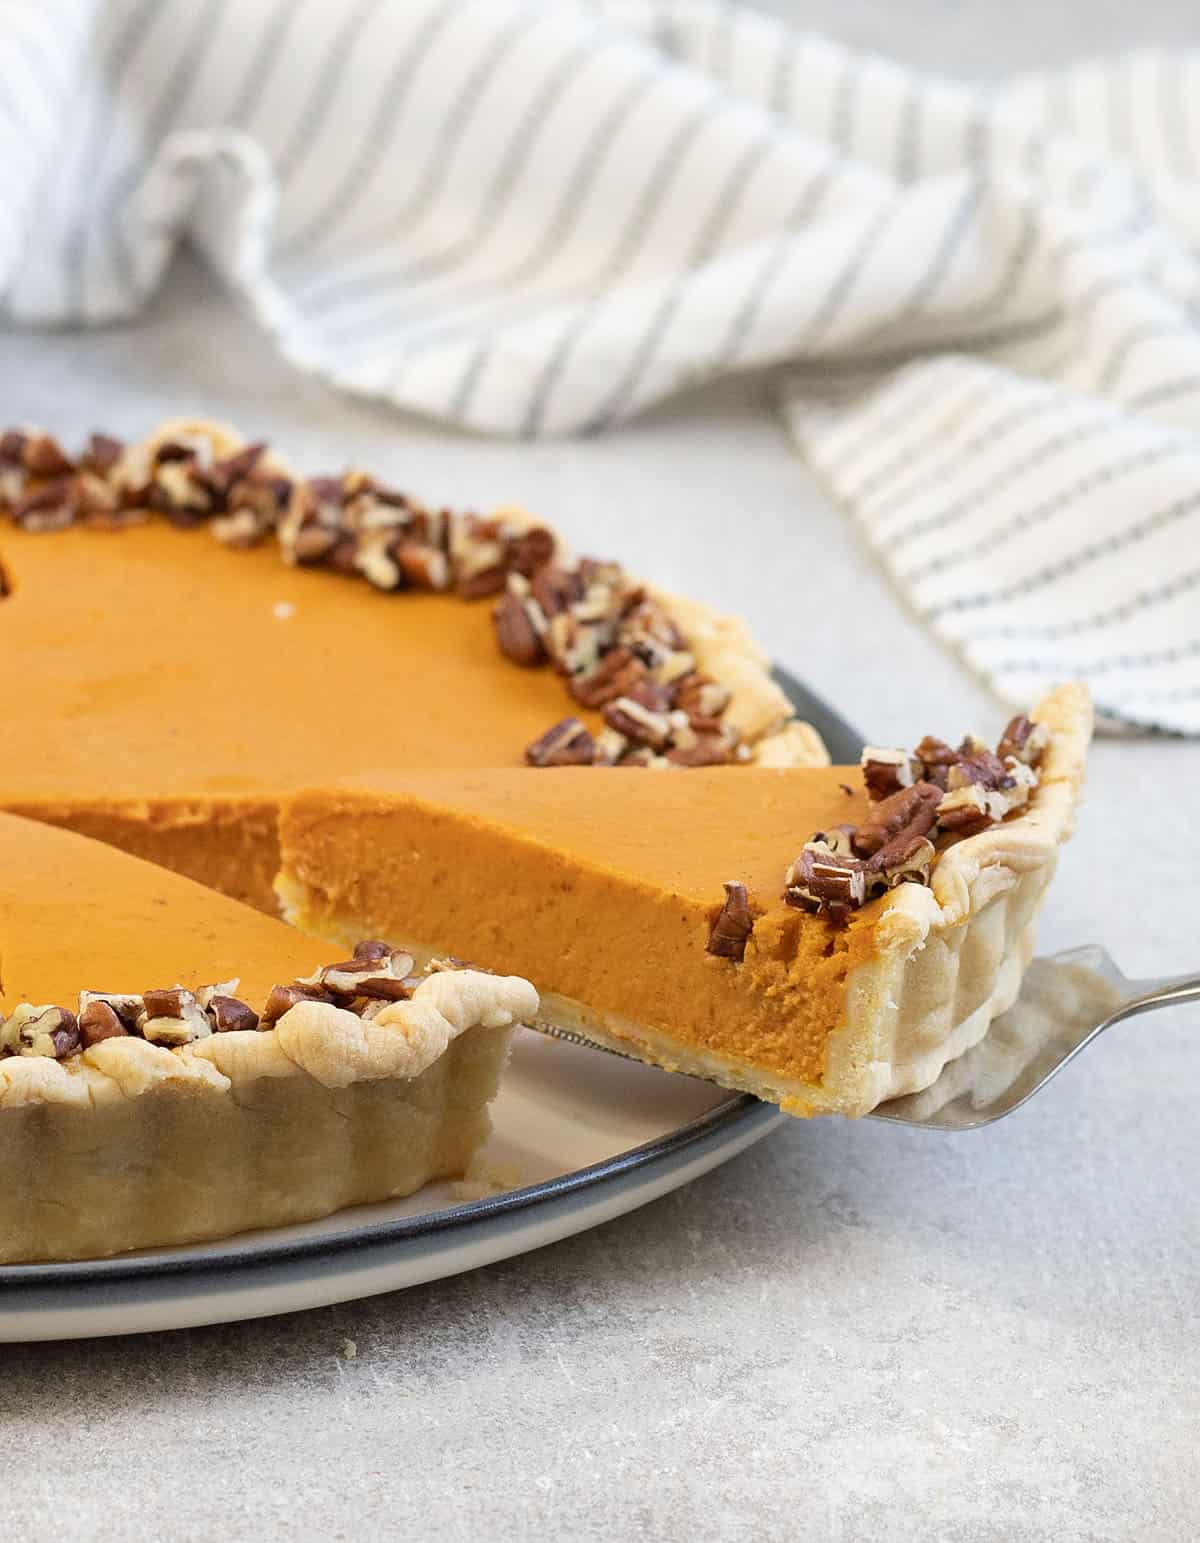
[
  {"x": 921, "y": 802},
  {"x": 886, "y": 771},
  {"x": 605, "y": 633},
  {"x": 51, "y": 1031},
  {"x": 376, "y": 971},
  {"x": 732, "y": 925},
  {"x": 520, "y": 626},
  {"x": 568, "y": 743},
  {"x": 174, "y": 1017},
  {"x": 97, "y": 1021},
  {"x": 911, "y": 811}
]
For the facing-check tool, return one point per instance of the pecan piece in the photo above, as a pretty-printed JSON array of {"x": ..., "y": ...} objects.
[
  {"x": 283, "y": 998},
  {"x": 99, "y": 1021},
  {"x": 102, "y": 453},
  {"x": 47, "y": 1030},
  {"x": 912, "y": 810},
  {"x": 230, "y": 1015},
  {"x": 638, "y": 723},
  {"x": 983, "y": 768},
  {"x": 424, "y": 566},
  {"x": 567, "y": 743},
  {"x": 905, "y": 859},
  {"x": 375, "y": 971},
  {"x": 965, "y": 811},
  {"x": 708, "y": 750},
  {"x": 488, "y": 581},
  {"x": 172, "y": 1016},
  {"x": 886, "y": 771},
  {"x": 517, "y": 632},
  {"x": 697, "y": 695},
  {"x": 555, "y": 589},
  {"x": 1023, "y": 740},
  {"x": 616, "y": 674},
  {"x": 6, "y": 583},
  {"x": 52, "y": 507},
  {"x": 43, "y": 456},
  {"x": 731, "y": 927},
  {"x": 820, "y": 879},
  {"x": 531, "y": 550}
]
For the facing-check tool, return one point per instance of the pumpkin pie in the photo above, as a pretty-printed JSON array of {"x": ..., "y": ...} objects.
[
  {"x": 175, "y": 1066},
  {"x": 203, "y": 632},
  {"x": 826, "y": 938}
]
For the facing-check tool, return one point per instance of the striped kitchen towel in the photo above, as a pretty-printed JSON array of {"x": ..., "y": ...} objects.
[{"x": 540, "y": 216}]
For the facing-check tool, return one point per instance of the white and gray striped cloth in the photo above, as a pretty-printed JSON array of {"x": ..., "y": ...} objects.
[{"x": 537, "y": 218}]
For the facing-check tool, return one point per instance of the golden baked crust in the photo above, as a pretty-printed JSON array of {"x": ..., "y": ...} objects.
[{"x": 129, "y": 1145}]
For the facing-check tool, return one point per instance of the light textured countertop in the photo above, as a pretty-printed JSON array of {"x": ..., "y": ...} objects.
[{"x": 852, "y": 1331}]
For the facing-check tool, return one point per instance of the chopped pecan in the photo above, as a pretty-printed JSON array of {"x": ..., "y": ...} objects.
[
  {"x": 912, "y": 810},
  {"x": 312, "y": 544},
  {"x": 488, "y": 581},
  {"x": 697, "y": 694},
  {"x": 822, "y": 879},
  {"x": 905, "y": 859},
  {"x": 568, "y": 743},
  {"x": 99, "y": 1020},
  {"x": 517, "y": 630},
  {"x": 425, "y": 566},
  {"x": 375, "y": 557},
  {"x": 230, "y": 1015},
  {"x": 43, "y": 456},
  {"x": 965, "y": 810},
  {"x": 47, "y": 1030},
  {"x": 708, "y": 750},
  {"x": 102, "y": 453},
  {"x": 886, "y": 771},
  {"x": 731, "y": 927},
  {"x": 531, "y": 550},
  {"x": 283, "y": 998},
  {"x": 638, "y": 723},
  {"x": 375, "y": 971},
  {"x": 615, "y": 675},
  {"x": 6, "y": 583},
  {"x": 1024, "y": 741},
  {"x": 53, "y": 506},
  {"x": 984, "y": 767},
  {"x": 555, "y": 588},
  {"x": 609, "y": 748},
  {"x": 172, "y": 1016}
]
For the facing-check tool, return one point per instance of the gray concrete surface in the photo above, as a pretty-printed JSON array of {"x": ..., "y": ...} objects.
[{"x": 851, "y": 1332}]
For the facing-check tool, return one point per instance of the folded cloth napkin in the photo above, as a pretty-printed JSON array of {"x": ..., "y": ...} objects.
[{"x": 538, "y": 218}]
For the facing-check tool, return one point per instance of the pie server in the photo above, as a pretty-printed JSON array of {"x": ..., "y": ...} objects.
[{"x": 1066, "y": 1002}]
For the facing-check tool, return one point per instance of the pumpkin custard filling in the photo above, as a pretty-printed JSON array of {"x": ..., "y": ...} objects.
[
  {"x": 430, "y": 737},
  {"x": 209, "y": 632},
  {"x": 784, "y": 932}
]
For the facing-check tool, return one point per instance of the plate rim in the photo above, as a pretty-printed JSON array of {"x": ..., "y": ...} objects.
[{"x": 733, "y": 1113}]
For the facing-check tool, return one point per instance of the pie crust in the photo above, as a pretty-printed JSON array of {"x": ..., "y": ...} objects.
[{"x": 131, "y": 1145}]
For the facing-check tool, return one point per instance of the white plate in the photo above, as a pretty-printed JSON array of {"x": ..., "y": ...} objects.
[{"x": 589, "y": 1136}]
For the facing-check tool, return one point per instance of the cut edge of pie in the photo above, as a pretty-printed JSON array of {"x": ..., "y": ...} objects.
[{"x": 929, "y": 966}]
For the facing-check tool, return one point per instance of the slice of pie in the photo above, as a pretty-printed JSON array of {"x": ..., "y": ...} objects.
[
  {"x": 175, "y": 1066},
  {"x": 791, "y": 932},
  {"x": 204, "y": 632}
]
